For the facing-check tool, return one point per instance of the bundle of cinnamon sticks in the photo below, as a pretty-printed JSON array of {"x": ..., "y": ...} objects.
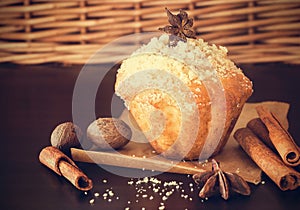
[{"x": 272, "y": 148}]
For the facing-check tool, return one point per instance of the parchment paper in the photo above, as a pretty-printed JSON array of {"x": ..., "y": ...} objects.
[{"x": 232, "y": 158}]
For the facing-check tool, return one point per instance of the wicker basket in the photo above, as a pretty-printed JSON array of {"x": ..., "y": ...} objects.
[{"x": 37, "y": 31}]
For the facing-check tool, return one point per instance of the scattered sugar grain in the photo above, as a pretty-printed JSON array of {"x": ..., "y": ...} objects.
[
  {"x": 155, "y": 190},
  {"x": 162, "y": 206},
  {"x": 130, "y": 182},
  {"x": 111, "y": 193},
  {"x": 92, "y": 201},
  {"x": 169, "y": 193}
]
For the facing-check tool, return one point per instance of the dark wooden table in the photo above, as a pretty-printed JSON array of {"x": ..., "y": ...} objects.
[{"x": 36, "y": 98}]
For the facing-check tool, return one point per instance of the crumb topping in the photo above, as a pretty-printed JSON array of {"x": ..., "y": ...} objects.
[
  {"x": 195, "y": 52},
  {"x": 193, "y": 62}
]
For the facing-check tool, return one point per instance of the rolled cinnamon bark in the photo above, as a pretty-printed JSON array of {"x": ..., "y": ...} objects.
[
  {"x": 260, "y": 130},
  {"x": 64, "y": 166},
  {"x": 281, "y": 139},
  {"x": 286, "y": 178}
]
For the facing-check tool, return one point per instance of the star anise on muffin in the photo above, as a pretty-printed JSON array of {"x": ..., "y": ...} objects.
[{"x": 181, "y": 25}]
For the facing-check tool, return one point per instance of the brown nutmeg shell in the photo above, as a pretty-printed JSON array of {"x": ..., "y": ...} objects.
[
  {"x": 109, "y": 133},
  {"x": 65, "y": 136}
]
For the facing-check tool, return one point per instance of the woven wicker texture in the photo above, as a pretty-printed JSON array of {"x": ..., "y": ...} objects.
[{"x": 37, "y": 31}]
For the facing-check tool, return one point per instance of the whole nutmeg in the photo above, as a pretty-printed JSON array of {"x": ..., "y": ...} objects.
[
  {"x": 109, "y": 133},
  {"x": 65, "y": 136}
]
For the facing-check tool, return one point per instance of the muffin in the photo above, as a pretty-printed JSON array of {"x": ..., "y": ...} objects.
[{"x": 209, "y": 94}]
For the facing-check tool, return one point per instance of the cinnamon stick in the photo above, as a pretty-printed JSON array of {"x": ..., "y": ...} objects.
[
  {"x": 281, "y": 139},
  {"x": 260, "y": 130},
  {"x": 286, "y": 178},
  {"x": 61, "y": 164}
]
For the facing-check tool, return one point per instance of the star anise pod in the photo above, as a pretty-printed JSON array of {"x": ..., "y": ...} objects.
[
  {"x": 180, "y": 26},
  {"x": 216, "y": 180}
]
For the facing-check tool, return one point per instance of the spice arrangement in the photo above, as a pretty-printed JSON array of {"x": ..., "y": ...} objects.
[
  {"x": 280, "y": 138},
  {"x": 104, "y": 133},
  {"x": 220, "y": 182},
  {"x": 264, "y": 139},
  {"x": 274, "y": 163}
]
